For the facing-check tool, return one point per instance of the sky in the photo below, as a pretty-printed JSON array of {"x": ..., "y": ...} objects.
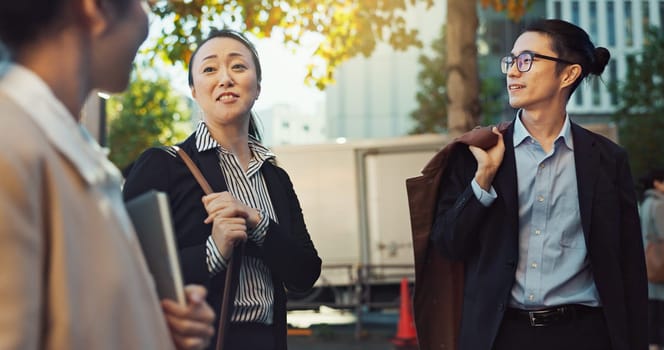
[{"x": 283, "y": 77}]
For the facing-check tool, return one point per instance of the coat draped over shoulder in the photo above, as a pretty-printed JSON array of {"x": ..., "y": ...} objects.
[{"x": 438, "y": 296}]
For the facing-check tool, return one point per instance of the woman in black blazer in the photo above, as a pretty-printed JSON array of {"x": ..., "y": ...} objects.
[{"x": 253, "y": 199}]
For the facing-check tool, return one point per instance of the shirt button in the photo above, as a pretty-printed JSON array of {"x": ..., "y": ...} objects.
[
  {"x": 538, "y": 232},
  {"x": 533, "y": 265},
  {"x": 540, "y": 199},
  {"x": 531, "y": 297},
  {"x": 541, "y": 166}
]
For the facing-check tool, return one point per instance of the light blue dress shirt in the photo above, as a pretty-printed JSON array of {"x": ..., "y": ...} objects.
[{"x": 553, "y": 267}]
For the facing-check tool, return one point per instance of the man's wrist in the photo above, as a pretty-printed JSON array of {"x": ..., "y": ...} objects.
[{"x": 484, "y": 178}]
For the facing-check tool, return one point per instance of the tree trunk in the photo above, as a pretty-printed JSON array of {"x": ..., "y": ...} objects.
[{"x": 463, "y": 108}]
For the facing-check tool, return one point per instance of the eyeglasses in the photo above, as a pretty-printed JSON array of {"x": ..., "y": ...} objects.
[{"x": 524, "y": 61}]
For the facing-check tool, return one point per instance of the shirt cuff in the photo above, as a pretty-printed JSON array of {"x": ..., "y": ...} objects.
[
  {"x": 258, "y": 233},
  {"x": 215, "y": 262},
  {"x": 486, "y": 198}
]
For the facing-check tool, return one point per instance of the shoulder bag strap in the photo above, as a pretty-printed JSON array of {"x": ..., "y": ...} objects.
[
  {"x": 230, "y": 270},
  {"x": 194, "y": 170}
]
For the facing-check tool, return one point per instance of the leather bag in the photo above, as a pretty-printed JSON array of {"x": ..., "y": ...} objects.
[{"x": 655, "y": 261}]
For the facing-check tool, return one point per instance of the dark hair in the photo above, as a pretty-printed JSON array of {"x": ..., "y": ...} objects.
[
  {"x": 572, "y": 43},
  {"x": 646, "y": 181},
  {"x": 21, "y": 21},
  {"x": 229, "y": 33}
]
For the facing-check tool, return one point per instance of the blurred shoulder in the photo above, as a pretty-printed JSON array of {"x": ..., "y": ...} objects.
[{"x": 22, "y": 138}]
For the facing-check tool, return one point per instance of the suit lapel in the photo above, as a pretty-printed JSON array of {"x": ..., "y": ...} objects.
[
  {"x": 586, "y": 161},
  {"x": 506, "y": 182},
  {"x": 277, "y": 193}
]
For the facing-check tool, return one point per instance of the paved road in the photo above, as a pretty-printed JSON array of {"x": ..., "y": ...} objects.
[{"x": 374, "y": 337}]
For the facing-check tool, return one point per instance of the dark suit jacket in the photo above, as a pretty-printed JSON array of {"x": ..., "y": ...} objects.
[
  {"x": 485, "y": 240},
  {"x": 287, "y": 250}
]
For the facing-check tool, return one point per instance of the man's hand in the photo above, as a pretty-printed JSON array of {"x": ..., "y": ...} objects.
[
  {"x": 488, "y": 161},
  {"x": 191, "y": 325}
]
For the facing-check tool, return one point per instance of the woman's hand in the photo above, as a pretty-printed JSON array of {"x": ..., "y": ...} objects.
[
  {"x": 225, "y": 205},
  {"x": 227, "y": 233},
  {"x": 190, "y": 325},
  {"x": 488, "y": 161}
]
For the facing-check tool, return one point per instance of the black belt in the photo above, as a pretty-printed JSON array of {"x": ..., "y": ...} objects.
[{"x": 552, "y": 315}]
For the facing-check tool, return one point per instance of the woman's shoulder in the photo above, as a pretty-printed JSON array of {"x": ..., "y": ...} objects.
[
  {"x": 151, "y": 170},
  {"x": 657, "y": 202},
  {"x": 156, "y": 157}
]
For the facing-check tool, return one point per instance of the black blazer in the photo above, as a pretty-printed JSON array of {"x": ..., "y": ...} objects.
[
  {"x": 287, "y": 250},
  {"x": 486, "y": 239}
]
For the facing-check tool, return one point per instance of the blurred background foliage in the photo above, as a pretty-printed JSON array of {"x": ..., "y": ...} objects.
[
  {"x": 149, "y": 113},
  {"x": 431, "y": 113},
  {"x": 346, "y": 28},
  {"x": 640, "y": 113}
]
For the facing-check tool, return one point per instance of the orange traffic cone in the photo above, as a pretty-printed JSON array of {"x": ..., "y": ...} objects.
[{"x": 406, "y": 334}]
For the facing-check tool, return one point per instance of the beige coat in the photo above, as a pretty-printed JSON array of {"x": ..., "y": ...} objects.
[{"x": 71, "y": 272}]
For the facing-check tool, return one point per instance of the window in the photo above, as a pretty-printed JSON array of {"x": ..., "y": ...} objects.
[
  {"x": 645, "y": 11},
  {"x": 613, "y": 78},
  {"x": 578, "y": 98},
  {"x": 596, "y": 91},
  {"x": 575, "y": 13},
  {"x": 557, "y": 10},
  {"x": 629, "y": 32},
  {"x": 592, "y": 9},
  {"x": 611, "y": 23}
]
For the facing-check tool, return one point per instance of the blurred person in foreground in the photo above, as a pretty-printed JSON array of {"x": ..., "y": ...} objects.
[
  {"x": 253, "y": 200},
  {"x": 545, "y": 222},
  {"x": 72, "y": 275},
  {"x": 652, "y": 227}
]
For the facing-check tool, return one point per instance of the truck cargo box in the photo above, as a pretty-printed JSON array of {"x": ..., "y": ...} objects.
[{"x": 353, "y": 197}]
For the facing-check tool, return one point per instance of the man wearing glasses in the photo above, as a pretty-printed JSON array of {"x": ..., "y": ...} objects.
[{"x": 545, "y": 222}]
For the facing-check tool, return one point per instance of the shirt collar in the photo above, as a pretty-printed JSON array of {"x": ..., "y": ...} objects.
[
  {"x": 71, "y": 139},
  {"x": 205, "y": 141},
  {"x": 521, "y": 133}
]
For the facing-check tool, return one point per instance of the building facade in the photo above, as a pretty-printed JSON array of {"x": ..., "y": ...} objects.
[
  {"x": 620, "y": 27},
  {"x": 373, "y": 97},
  {"x": 284, "y": 124}
]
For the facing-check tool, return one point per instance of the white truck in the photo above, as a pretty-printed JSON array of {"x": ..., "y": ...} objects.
[{"x": 353, "y": 197}]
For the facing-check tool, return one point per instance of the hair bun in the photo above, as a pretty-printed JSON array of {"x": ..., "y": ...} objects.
[{"x": 602, "y": 57}]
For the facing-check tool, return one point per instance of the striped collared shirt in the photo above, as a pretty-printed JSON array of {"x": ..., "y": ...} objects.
[{"x": 255, "y": 293}]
